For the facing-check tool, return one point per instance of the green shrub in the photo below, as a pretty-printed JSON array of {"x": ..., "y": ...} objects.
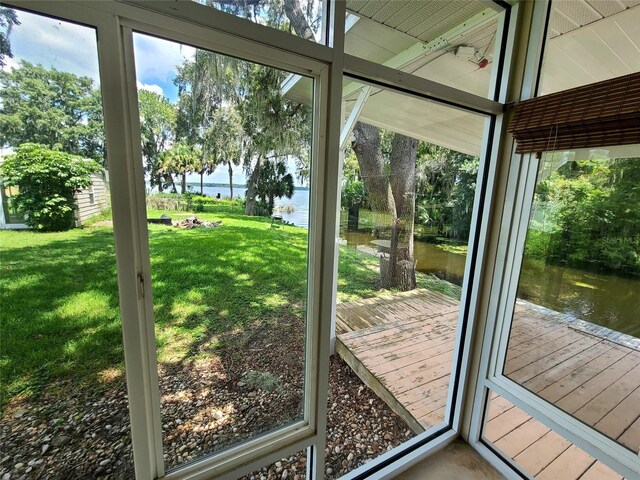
[
  {"x": 353, "y": 193},
  {"x": 47, "y": 181},
  {"x": 236, "y": 202},
  {"x": 192, "y": 202},
  {"x": 166, "y": 201}
]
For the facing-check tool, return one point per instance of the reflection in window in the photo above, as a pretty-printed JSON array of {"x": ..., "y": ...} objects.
[
  {"x": 536, "y": 449},
  {"x": 302, "y": 18},
  {"x": 574, "y": 340}
]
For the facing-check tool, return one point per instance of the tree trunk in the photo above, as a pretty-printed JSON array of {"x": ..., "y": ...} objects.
[
  {"x": 403, "y": 185},
  {"x": 173, "y": 184},
  {"x": 202, "y": 183},
  {"x": 392, "y": 193},
  {"x": 183, "y": 183},
  {"x": 366, "y": 145},
  {"x": 159, "y": 183},
  {"x": 270, "y": 205},
  {"x": 252, "y": 187},
  {"x": 230, "y": 179},
  {"x": 298, "y": 21},
  {"x": 353, "y": 218}
]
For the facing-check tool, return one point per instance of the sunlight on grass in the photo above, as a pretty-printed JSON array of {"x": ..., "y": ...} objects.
[
  {"x": 83, "y": 306},
  {"x": 25, "y": 281},
  {"x": 172, "y": 344},
  {"x": 109, "y": 375},
  {"x": 273, "y": 300},
  {"x": 183, "y": 310},
  {"x": 211, "y": 287}
]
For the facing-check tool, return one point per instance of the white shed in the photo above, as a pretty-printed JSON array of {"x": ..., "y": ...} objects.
[
  {"x": 89, "y": 202},
  {"x": 93, "y": 200}
]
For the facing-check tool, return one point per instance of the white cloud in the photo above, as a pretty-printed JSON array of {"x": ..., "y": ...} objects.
[
  {"x": 73, "y": 48},
  {"x": 56, "y": 43},
  {"x": 9, "y": 64},
  {"x": 157, "y": 89},
  {"x": 157, "y": 59}
]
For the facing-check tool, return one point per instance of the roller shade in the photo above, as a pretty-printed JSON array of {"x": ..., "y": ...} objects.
[{"x": 596, "y": 115}]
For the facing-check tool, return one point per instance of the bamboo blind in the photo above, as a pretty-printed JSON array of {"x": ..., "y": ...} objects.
[{"x": 596, "y": 115}]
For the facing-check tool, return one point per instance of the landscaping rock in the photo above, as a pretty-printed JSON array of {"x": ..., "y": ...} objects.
[
  {"x": 194, "y": 222},
  {"x": 59, "y": 441},
  {"x": 204, "y": 410}
]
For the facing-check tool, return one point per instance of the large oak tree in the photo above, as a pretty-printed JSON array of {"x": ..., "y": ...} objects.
[{"x": 391, "y": 184}]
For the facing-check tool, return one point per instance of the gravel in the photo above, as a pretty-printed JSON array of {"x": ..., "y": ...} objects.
[{"x": 252, "y": 386}]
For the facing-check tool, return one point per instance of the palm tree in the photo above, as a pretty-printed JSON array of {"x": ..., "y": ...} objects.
[
  {"x": 180, "y": 159},
  {"x": 275, "y": 126},
  {"x": 274, "y": 181}
]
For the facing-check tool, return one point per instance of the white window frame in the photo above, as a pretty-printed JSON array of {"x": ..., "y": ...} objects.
[
  {"x": 407, "y": 454},
  {"x": 519, "y": 175},
  {"x": 187, "y": 22}
]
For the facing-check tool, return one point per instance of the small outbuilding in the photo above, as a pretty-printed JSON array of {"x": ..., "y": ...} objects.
[{"x": 89, "y": 202}]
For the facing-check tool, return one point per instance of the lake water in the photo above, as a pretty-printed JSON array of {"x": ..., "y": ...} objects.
[
  {"x": 599, "y": 298},
  {"x": 608, "y": 300},
  {"x": 299, "y": 201}
]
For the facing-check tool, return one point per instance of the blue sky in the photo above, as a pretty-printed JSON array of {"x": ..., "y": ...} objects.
[{"x": 73, "y": 48}]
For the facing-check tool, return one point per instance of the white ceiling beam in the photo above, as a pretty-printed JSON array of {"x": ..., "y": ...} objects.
[
  {"x": 422, "y": 49},
  {"x": 492, "y": 5},
  {"x": 289, "y": 82},
  {"x": 591, "y": 9},
  {"x": 354, "y": 116}
]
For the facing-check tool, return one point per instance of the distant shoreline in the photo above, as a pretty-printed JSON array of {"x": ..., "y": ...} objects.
[{"x": 226, "y": 185}]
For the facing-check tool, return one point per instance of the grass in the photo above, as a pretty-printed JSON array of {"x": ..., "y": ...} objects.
[{"x": 59, "y": 294}]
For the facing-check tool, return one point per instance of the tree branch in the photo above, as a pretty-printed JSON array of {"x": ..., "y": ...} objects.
[{"x": 298, "y": 20}]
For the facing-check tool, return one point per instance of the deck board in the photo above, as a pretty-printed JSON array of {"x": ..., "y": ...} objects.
[
  {"x": 538, "y": 450},
  {"x": 518, "y": 440},
  {"x": 572, "y": 463},
  {"x": 542, "y": 453},
  {"x": 402, "y": 345}
]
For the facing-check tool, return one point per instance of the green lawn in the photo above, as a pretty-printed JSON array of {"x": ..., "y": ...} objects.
[{"x": 59, "y": 295}]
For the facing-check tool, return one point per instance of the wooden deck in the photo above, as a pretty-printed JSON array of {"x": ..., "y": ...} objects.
[
  {"x": 539, "y": 451},
  {"x": 401, "y": 346}
]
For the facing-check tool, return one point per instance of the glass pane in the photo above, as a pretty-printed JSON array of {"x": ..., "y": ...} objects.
[
  {"x": 63, "y": 398},
  {"x": 227, "y": 161},
  {"x": 574, "y": 339},
  {"x": 450, "y": 42},
  {"x": 589, "y": 42},
  {"x": 292, "y": 468},
  {"x": 408, "y": 186},
  {"x": 537, "y": 450},
  {"x": 302, "y": 18}
]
